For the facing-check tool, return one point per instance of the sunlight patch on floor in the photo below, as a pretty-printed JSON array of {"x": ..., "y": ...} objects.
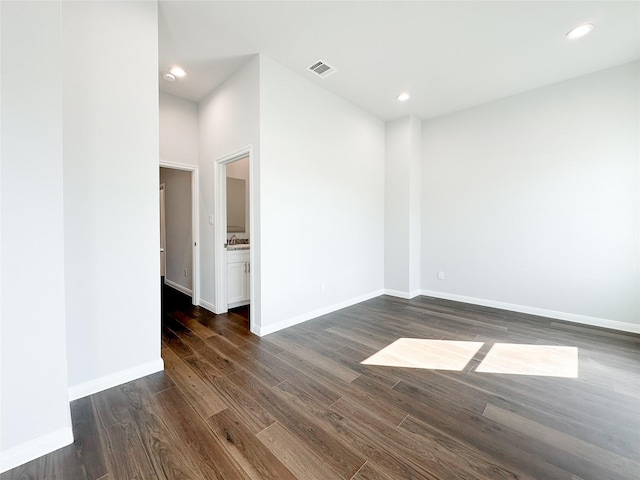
[
  {"x": 507, "y": 358},
  {"x": 427, "y": 354},
  {"x": 542, "y": 360}
]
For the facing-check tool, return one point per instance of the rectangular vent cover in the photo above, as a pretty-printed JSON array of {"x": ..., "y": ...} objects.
[{"x": 321, "y": 69}]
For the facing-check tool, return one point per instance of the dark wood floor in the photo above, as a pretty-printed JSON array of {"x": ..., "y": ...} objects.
[{"x": 299, "y": 404}]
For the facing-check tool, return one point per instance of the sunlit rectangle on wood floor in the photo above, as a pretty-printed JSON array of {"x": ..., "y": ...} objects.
[
  {"x": 543, "y": 360},
  {"x": 427, "y": 354}
]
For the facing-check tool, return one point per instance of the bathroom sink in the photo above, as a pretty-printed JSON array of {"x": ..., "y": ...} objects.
[{"x": 239, "y": 246}]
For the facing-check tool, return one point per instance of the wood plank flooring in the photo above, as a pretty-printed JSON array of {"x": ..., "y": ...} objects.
[{"x": 299, "y": 404}]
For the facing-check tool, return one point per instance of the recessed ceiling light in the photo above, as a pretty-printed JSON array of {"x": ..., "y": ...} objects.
[
  {"x": 177, "y": 72},
  {"x": 168, "y": 77},
  {"x": 580, "y": 31},
  {"x": 403, "y": 97}
]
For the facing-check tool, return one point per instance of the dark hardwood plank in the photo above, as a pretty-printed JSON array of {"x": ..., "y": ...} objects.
[
  {"x": 351, "y": 432},
  {"x": 438, "y": 454},
  {"x": 355, "y": 356},
  {"x": 324, "y": 377},
  {"x": 369, "y": 472},
  {"x": 202, "y": 398},
  {"x": 43, "y": 468},
  {"x": 298, "y": 457},
  {"x": 253, "y": 415},
  {"x": 615, "y": 439},
  {"x": 337, "y": 454},
  {"x": 192, "y": 324},
  {"x": 355, "y": 336},
  {"x": 300, "y": 404},
  {"x": 515, "y": 448},
  {"x": 168, "y": 457},
  {"x": 255, "y": 459},
  {"x": 124, "y": 450},
  {"x": 172, "y": 341},
  {"x": 509, "y": 459},
  {"x": 158, "y": 381},
  {"x": 465, "y": 426},
  {"x": 195, "y": 434},
  {"x": 593, "y": 458},
  {"x": 87, "y": 448},
  {"x": 247, "y": 359},
  {"x": 344, "y": 373},
  {"x": 226, "y": 326}
]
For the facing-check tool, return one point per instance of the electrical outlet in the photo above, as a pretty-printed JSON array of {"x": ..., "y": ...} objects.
[
  {"x": 440, "y": 275},
  {"x": 210, "y": 219},
  {"x": 185, "y": 272},
  {"x": 323, "y": 286}
]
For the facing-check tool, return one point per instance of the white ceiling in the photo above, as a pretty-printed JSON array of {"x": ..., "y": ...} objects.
[{"x": 449, "y": 55}]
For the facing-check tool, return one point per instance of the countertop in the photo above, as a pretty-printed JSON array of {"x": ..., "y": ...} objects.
[{"x": 239, "y": 246}]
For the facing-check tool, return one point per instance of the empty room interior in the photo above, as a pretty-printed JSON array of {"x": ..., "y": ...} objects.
[{"x": 320, "y": 240}]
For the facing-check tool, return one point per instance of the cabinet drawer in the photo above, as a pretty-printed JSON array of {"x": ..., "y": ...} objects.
[{"x": 238, "y": 256}]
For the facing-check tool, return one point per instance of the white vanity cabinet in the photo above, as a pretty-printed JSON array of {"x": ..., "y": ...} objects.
[{"x": 238, "y": 272}]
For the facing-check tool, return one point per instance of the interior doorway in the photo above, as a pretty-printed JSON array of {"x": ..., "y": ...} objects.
[
  {"x": 231, "y": 240},
  {"x": 180, "y": 221}
]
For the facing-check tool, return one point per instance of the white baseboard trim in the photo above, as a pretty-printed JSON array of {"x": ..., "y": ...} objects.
[
  {"x": 33, "y": 449},
  {"x": 399, "y": 294},
  {"x": 237, "y": 304},
  {"x": 207, "y": 306},
  {"x": 178, "y": 287},
  {"x": 542, "y": 312},
  {"x": 115, "y": 379},
  {"x": 289, "y": 322}
]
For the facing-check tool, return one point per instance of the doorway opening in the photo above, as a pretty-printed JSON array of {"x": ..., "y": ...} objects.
[
  {"x": 234, "y": 230},
  {"x": 179, "y": 230}
]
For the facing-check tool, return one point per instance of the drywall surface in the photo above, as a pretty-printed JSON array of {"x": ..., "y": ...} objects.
[
  {"x": 178, "y": 130},
  {"x": 402, "y": 207},
  {"x": 228, "y": 122},
  {"x": 34, "y": 416},
  {"x": 533, "y": 200},
  {"x": 322, "y": 178},
  {"x": 111, "y": 179},
  {"x": 179, "y": 246}
]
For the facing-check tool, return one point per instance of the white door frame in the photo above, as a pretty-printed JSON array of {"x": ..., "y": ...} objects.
[
  {"x": 220, "y": 229},
  {"x": 195, "y": 224},
  {"x": 163, "y": 235}
]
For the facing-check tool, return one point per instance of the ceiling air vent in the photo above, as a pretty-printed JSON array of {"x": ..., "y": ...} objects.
[{"x": 321, "y": 69}]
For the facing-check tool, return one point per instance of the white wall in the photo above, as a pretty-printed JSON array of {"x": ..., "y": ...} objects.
[
  {"x": 402, "y": 207},
  {"x": 34, "y": 417},
  {"x": 111, "y": 181},
  {"x": 178, "y": 130},
  {"x": 228, "y": 122},
  {"x": 179, "y": 246},
  {"x": 533, "y": 200},
  {"x": 321, "y": 177}
]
